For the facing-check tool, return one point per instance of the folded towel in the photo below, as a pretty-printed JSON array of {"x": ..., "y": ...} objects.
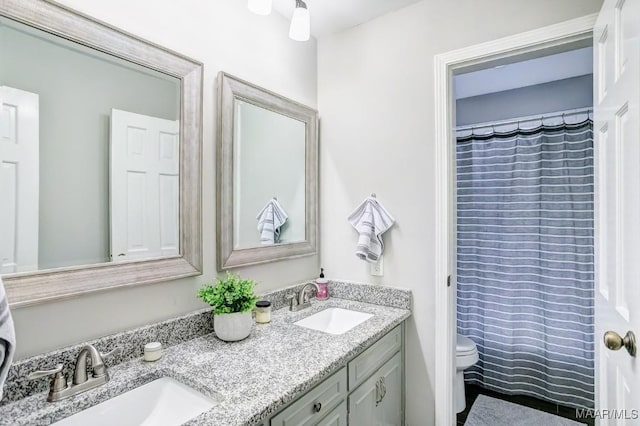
[
  {"x": 270, "y": 220},
  {"x": 7, "y": 338},
  {"x": 371, "y": 220}
]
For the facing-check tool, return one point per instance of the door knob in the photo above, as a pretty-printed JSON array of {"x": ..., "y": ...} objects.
[{"x": 613, "y": 341}]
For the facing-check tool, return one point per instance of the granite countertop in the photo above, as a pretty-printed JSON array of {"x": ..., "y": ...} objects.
[{"x": 252, "y": 379}]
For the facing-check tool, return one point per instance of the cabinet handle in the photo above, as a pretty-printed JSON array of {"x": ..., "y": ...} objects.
[
  {"x": 380, "y": 390},
  {"x": 317, "y": 407}
]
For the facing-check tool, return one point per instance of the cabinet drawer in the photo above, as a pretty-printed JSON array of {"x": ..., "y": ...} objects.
[
  {"x": 313, "y": 405},
  {"x": 338, "y": 417},
  {"x": 371, "y": 359}
]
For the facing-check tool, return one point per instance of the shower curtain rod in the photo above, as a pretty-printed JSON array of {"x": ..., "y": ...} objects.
[{"x": 526, "y": 119}]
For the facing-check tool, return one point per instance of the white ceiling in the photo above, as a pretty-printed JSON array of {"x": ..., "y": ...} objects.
[
  {"x": 526, "y": 73},
  {"x": 331, "y": 16}
]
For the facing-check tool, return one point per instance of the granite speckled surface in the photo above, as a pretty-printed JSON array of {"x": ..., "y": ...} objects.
[
  {"x": 251, "y": 379},
  {"x": 395, "y": 297},
  {"x": 131, "y": 342},
  {"x": 361, "y": 292}
]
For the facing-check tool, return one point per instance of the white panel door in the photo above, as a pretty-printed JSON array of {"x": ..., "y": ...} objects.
[
  {"x": 19, "y": 180},
  {"x": 144, "y": 186},
  {"x": 617, "y": 144}
]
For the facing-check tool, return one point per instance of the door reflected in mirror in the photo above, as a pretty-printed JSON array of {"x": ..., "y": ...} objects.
[
  {"x": 269, "y": 177},
  {"x": 75, "y": 123},
  {"x": 144, "y": 178}
]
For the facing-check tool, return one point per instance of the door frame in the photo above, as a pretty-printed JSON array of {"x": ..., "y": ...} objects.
[{"x": 558, "y": 36}]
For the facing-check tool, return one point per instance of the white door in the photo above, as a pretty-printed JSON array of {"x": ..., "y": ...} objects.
[
  {"x": 144, "y": 185},
  {"x": 617, "y": 144},
  {"x": 19, "y": 180}
]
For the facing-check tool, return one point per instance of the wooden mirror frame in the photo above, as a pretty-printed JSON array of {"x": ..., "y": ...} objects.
[
  {"x": 36, "y": 287},
  {"x": 231, "y": 88}
]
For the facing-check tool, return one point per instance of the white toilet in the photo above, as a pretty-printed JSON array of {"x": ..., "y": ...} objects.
[{"x": 466, "y": 356}]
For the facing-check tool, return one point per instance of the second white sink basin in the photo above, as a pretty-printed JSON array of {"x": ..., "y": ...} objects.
[
  {"x": 164, "y": 401},
  {"x": 334, "y": 320}
]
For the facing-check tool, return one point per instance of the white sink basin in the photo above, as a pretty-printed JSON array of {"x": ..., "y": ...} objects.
[
  {"x": 334, "y": 320},
  {"x": 164, "y": 401}
]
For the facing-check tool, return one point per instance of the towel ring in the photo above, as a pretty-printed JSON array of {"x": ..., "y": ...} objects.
[{"x": 373, "y": 194}]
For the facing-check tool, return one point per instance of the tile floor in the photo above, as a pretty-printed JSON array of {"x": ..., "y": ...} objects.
[{"x": 473, "y": 391}]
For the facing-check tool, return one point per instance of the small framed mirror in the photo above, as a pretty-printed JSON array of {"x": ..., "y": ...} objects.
[{"x": 267, "y": 165}]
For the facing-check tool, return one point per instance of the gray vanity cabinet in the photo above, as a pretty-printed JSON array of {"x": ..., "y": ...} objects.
[
  {"x": 378, "y": 401},
  {"x": 366, "y": 392}
]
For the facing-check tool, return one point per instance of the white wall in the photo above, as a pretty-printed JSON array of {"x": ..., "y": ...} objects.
[
  {"x": 375, "y": 97},
  {"x": 223, "y": 35}
]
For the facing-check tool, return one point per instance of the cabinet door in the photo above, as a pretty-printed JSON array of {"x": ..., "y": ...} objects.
[
  {"x": 370, "y": 405},
  {"x": 389, "y": 410}
]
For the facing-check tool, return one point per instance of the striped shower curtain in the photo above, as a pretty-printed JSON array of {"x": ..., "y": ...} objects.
[{"x": 525, "y": 260}]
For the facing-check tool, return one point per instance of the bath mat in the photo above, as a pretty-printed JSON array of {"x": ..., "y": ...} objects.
[{"x": 487, "y": 411}]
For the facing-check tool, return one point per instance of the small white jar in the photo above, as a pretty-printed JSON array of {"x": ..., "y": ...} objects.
[
  {"x": 152, "y": 351},
  {"x": 263, "y": 311}
]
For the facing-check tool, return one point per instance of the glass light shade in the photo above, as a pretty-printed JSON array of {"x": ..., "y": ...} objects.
[
  {"x": 260, "y": 7},
  {"x": 300, "y": 28}
]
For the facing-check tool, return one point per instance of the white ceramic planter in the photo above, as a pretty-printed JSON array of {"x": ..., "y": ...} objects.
[{"x": 233, "y": 327}]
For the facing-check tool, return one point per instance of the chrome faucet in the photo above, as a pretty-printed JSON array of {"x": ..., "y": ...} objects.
[
  {"x": 301, "y": 301},
  {"x": 61, "y": 389},
  {"x": 97, "y": 365}
]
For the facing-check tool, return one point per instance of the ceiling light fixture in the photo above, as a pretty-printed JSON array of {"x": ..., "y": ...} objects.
[
  {"x": 300, "y": 28},
  {"x": 260, "y": 7}
]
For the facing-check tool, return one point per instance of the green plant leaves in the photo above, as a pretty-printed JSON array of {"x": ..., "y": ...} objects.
[{"x": 229, "y": 295}]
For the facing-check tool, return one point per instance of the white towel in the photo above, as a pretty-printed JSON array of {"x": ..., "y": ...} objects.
[
  {"x": 7, "y": 338},
  {"x": 270, "y": 220},
  {"x": 371, "y": 220}
]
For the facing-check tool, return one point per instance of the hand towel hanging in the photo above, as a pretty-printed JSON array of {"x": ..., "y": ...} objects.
[
  {"x": 371, "y": 220},
  {"x": 7, "y": 337},
  {"x": 270, "y": 220}
]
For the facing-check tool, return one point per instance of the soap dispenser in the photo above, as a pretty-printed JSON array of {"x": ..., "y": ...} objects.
[{"x": 323, "y": 286}]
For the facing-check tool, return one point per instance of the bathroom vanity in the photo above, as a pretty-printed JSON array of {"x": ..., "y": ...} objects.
[{"x": 282, "y": 374}]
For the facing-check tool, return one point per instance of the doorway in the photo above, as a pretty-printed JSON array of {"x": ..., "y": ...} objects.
[
  {"x": 524, "y": 240},
  {"x": 562, "y": 37}
]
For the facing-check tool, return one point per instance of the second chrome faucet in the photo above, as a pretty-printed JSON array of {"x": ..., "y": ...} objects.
[{"x": 302, "y": 300}]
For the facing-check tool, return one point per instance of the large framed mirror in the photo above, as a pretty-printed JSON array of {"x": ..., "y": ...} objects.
[
  {"x": 100, "y": 156},
  {"x": 267, "y": 166}
]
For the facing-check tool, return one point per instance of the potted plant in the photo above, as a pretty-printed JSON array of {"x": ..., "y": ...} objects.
[{"x": 232, "y": 299}]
